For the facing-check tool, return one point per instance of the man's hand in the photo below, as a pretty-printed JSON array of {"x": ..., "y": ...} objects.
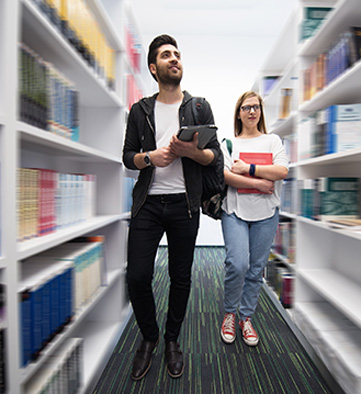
[
  {"x": 162, "y": 157},
  {"x": 184, "y": 148}
]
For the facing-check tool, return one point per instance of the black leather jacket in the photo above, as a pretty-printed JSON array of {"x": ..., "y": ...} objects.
[{"x": 140, "y": 137}]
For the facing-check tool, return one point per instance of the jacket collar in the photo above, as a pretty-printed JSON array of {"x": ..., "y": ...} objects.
[{"x": 148, "y": 103}]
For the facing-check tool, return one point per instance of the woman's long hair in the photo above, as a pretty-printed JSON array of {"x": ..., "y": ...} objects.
[{"x": 261, "y": 126}]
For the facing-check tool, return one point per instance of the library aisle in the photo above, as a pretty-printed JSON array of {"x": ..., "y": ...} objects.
[{"x": 278, "y": 364}]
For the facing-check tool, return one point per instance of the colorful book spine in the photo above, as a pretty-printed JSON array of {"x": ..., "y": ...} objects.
[
  {"x": 343, "y": 127},
  {"x": 339, "y": 198}
]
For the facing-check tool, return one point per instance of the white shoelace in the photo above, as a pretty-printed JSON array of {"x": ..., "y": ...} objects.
[
  {"x": 248, "y": 328},
  {"x": 229, "y": 323}
]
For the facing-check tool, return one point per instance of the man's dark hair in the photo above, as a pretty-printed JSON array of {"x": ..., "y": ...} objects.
[{"x": 158, "y": 41}]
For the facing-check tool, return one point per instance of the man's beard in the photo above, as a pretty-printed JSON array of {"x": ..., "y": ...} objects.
[{"x": 170, "y": 80}]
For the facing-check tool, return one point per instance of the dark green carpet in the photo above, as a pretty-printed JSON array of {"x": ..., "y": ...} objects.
[{"x": 277, "y": 365}]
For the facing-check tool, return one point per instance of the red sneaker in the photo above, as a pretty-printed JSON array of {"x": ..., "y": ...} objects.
[
  {"x": 228, "y": 331},
  {"x": 249, "y": 333}
]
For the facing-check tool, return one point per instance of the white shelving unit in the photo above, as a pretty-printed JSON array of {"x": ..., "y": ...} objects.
[
  {"x": 328, "y": 277},
  {"x": 102, "y": 124}
]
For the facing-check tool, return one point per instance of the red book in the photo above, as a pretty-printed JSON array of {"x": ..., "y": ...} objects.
[{"x": 262, "y": 158}]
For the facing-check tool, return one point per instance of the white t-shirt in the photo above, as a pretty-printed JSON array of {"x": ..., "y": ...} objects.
[
  {"x": 168, "y": 179},
  {"x": 256, "y": 206}
]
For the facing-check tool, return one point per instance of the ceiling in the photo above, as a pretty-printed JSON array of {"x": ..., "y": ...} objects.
[{"x": 224, "y": 43}]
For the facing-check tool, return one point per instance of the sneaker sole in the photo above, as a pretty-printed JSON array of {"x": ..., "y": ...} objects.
[
  {"x": 250, "y": 343},
  {"x": 227, "y": 340}
]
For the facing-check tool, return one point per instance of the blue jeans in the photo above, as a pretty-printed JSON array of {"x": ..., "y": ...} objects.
[
  {"x": 248, "y": 246},
  {"x": 159, "y": 214}
]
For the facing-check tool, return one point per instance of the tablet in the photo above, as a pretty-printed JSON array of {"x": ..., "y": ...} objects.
[{"x": 205, "y": 133}]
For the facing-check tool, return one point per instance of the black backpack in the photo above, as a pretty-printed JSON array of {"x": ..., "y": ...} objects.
[{"x": 214, "y": 188}]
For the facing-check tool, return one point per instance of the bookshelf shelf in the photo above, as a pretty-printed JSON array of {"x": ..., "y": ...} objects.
[
  {"x": 39, "y": 244},
  {"x": 41, "y": 141},
  {"x": 347, "y": 13},
  {"x": 102, "y": 116},
  {"x": 326, "y": 327},
  {"x": 284, "y": 126},
  {"x": 325, "y": 281},
  {"x": 340, "y": 91},
  {"x": 349, "y": 156},
  {"x": 326, "y": 269}
]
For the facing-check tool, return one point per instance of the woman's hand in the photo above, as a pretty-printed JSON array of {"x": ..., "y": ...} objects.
[
  {"x": 265, "y": 186},
  {"x": 240, "y": 167}
]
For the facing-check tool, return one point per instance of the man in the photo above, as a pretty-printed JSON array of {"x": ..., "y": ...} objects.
[{"x": 166, "y": 198}]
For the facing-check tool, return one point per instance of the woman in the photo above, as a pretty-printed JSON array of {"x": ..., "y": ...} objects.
[{"x": 250, "y": 218}]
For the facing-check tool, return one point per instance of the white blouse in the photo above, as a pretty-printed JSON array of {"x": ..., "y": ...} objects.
[{"x": 252, "y": 207}]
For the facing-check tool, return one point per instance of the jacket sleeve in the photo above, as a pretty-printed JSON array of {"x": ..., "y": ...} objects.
[{"x": 132, "y": 143}]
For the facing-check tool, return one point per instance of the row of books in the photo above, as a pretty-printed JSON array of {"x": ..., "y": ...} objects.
[
  {"x": 48, "y": 99},
  {"x": 289, "y": 195},
  {"x": 56, "y": 285},
  {"x": 336, "y": 128},
  {"x": 128, "y": 185},
  {"x": 285, "y": 240},
  {"x": 77, "y": 23},
  {"x": 63, "y": 371},
  {"x": 344, "y": 52},
  {"x": 133, "y": 48},
  {"x": 329, "y": 198},
  {"x": 2, "y": 302},
  {"x": 48, "y": 201},
  {"x": 313, "y": 18},
  {"x": 134, "y": 94},
  {"x": 281, "y": 279},
  {"x": 3, "y": 387}
]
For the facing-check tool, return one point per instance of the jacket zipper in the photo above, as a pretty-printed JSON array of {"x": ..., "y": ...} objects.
[{"x": 188, "y": 203}]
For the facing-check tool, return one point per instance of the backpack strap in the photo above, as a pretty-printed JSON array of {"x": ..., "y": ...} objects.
[
  {"x": 229, "y": 145},
  {"x": 197, "y": 107}
]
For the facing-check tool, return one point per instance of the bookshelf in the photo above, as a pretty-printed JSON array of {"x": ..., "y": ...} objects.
[
  {"x": 326, "y": 312},
  {"x": 102, "y": 118}
]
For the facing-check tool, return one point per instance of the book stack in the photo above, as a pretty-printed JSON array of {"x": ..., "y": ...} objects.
[
  {"x": 285, "y": 104},
  {"x": 77, "y": 23},
  {"x": 49, "y": 201},
  {"x": 343, "y": 127},
  {"x": 328, "y": 198},
  {"x": 268, "y": 83},
  {"x": 55, "y": 286},
  {"x": 281, "y": 279},
  {"x": 289, "y": 195},
  {"x": 63, "y": 371},
  {"x": 48, "y": 100},
  {"x": 284, "y": 243},
  {"x": 313, "y": 18},
  {"x": 344, "y": 52},
  {"x": 334, "y": 129}
]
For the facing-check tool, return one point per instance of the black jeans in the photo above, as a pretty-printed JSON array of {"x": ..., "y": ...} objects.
[{"x": 161, "y": 213}]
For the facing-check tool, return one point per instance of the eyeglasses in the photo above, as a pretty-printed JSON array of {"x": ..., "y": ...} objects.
[{"x": 247, "y": 108}]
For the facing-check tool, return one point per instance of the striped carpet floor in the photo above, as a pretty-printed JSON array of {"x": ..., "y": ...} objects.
[{"x": 277, "y": 365}]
